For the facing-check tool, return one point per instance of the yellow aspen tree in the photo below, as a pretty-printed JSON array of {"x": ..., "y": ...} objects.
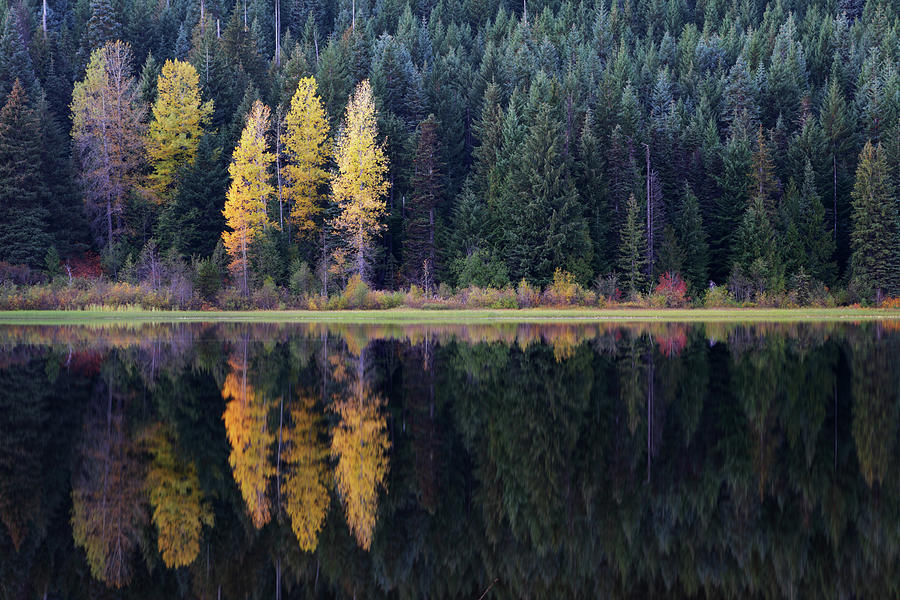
[
  {"x": 179, "y": 116},
  {"x": 306, "y": 479},
  {"x": 360, "y": 443},
  {"x": 245, "y": 205},
  {"x": 246, "y": 426},
  {"x": 306, "y": 152},
  {"x": 359, "y": 185},
  {"x": 108, "y": 134},
  {"x": 179, "y": 509}
]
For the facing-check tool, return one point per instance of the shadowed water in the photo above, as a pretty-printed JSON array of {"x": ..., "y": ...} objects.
[{"x": 521, "y": 460}]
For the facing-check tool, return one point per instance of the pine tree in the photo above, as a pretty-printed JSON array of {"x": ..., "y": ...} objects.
[
  {"x": 692, "y": 240},
  {"x": 835, "y": 120},
  {"x": 807, "y": 241},
  {"x": 23, "y": 195},
  {"x": 103, "y": 26},
  {"x": 192, "y": 222},
  {"x": 633, "y": 249},
  {"x": 179, "y": 116},
  {"x": 758, "y": 252},
  {"x": 250, "y": 190},
  {"x": 763, "y": 183},
  {"x": 306, "y": 153},
  {"x": 359, "y": 185},
  {"x": 874, "y": 267},
  {"x": 419, "y": 252}
]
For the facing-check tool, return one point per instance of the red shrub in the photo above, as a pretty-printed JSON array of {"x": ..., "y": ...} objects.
[{"x": 673, "y": 288}]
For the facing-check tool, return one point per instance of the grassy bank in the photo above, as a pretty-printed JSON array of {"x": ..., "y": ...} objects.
[{"x": 404, "y": 315}]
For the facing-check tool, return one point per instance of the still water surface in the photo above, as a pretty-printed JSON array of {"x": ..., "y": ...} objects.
[{"x": 527, "y": 461}]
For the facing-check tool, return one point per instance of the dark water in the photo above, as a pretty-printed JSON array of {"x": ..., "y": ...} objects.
[{"x": 531, "y": 461}]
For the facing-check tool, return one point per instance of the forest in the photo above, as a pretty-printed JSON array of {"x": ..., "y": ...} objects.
[{"x": 178, "y": 153}]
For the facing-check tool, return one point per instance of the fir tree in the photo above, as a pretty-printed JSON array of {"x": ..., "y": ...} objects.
[
  {"x": 419, "y": 251},
  {"x": 23, "y": 226},
  {"x": 633, "y": 249},
  {"x": 692, "y": 240},
  {"x": 874, "y": 267}
]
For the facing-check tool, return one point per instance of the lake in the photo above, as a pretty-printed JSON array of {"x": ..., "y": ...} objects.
[{"x": 564, "y": 460}]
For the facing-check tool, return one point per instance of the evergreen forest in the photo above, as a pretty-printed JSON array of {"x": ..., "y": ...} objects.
[{"x": 270, "y": 149}]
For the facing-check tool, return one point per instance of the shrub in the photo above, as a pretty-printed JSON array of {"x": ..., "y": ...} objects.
[
  {"x": 527, "y": 296},
  {"x": 607, "y": 287},
  {"x": 355, "y": 294},
  {"x": 302, "y": 281},
  {"x": 718, "y": 296},
  {"x": 207, "y": 278},
  {"x": 266, "y": 297},
  {"x": 890, "y": 302},
  {"x": 415, "y": 297},
  {"x": 479, "y": 269},
  {"x": 562, "y": 290},
  {"x": 672, "y": 289}
]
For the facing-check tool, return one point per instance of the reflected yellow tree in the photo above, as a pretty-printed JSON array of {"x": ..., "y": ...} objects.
[
  {"x": 107, "y": 493},
  {"x": 247, "y": 428},
  {"x": 179, "y": 509},
  {"x": 305, "y": 488},
  {"x": 360, "y": 444}
]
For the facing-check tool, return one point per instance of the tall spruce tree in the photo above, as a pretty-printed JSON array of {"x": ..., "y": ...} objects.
[
  {"x": 875, "y": 263},
  {"x": 23, "y": 195},
  {"x": 633, "y": 250},
  {"x": 419, "y": 249}
]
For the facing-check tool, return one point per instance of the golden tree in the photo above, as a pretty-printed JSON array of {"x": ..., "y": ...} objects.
[
  {"x": 178, "y": 119},
  {"x": 360, "y": 443},
  {"x": 107, "y": 491},
  {"x": 305, "y": 488},
  {"x": 179, "y": 509},
  {"x": 359, "y": 185},
  {"x": 306, "y": 155},
  {"x": 250, "y": 190},
  {"x": 246, "y": 425},
  {"x": 107, "y": 131}
]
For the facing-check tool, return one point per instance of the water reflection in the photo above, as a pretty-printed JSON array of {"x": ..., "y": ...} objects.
[{"x": 565, "y": 460}]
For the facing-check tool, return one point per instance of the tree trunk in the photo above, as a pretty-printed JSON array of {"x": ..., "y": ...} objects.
[{"x": 834, "y": 189}]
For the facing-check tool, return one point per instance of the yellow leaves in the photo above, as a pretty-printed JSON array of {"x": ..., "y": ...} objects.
[
  {"x": 305, "y": 488},
  {"x": 245, "y": 206},
  {"x": 360, "y": 185},
  {"x": 107, "y": 130},
  {"x": 360, "y": 444},
  {"x": 179, "y": 509},
  {"x": 306, "y": 152},
  {"x": 178, "y": 120},
  {"x": 246, "y": 425}
]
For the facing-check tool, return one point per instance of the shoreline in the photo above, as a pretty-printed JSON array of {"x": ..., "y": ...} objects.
[{"x": 454, "y": 316}]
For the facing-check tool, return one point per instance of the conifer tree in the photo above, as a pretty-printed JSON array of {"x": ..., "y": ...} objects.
[
  {"x": 758, "y": 252},
  {"x": 23, "y": 195},
  {"x": 419, "y": 252},
  {"x": 874, "y": 265},
  {"x": 179, "y": 116},
  {"x": 246, "y": 202},
  {"x": 103, "y": 27},
  {"x": 359, "y": 185},
  {"x": 633, "y": 249},
  {"x": 306, "y": 152},
  {"x": 692, "y": 240},
  {"x": 807, "y": 240},
  {"x": 835, "y": 121},
  {"x": 192, "y": 222}
]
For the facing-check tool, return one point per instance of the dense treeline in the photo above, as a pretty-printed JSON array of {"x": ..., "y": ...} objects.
[{"x": 467, "y": 143}]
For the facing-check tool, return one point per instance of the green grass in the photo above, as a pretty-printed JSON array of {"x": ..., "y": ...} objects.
[{"x": 412, "y": 316}]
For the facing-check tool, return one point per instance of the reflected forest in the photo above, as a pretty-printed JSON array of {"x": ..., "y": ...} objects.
[{"x": 530, "y": 460}]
